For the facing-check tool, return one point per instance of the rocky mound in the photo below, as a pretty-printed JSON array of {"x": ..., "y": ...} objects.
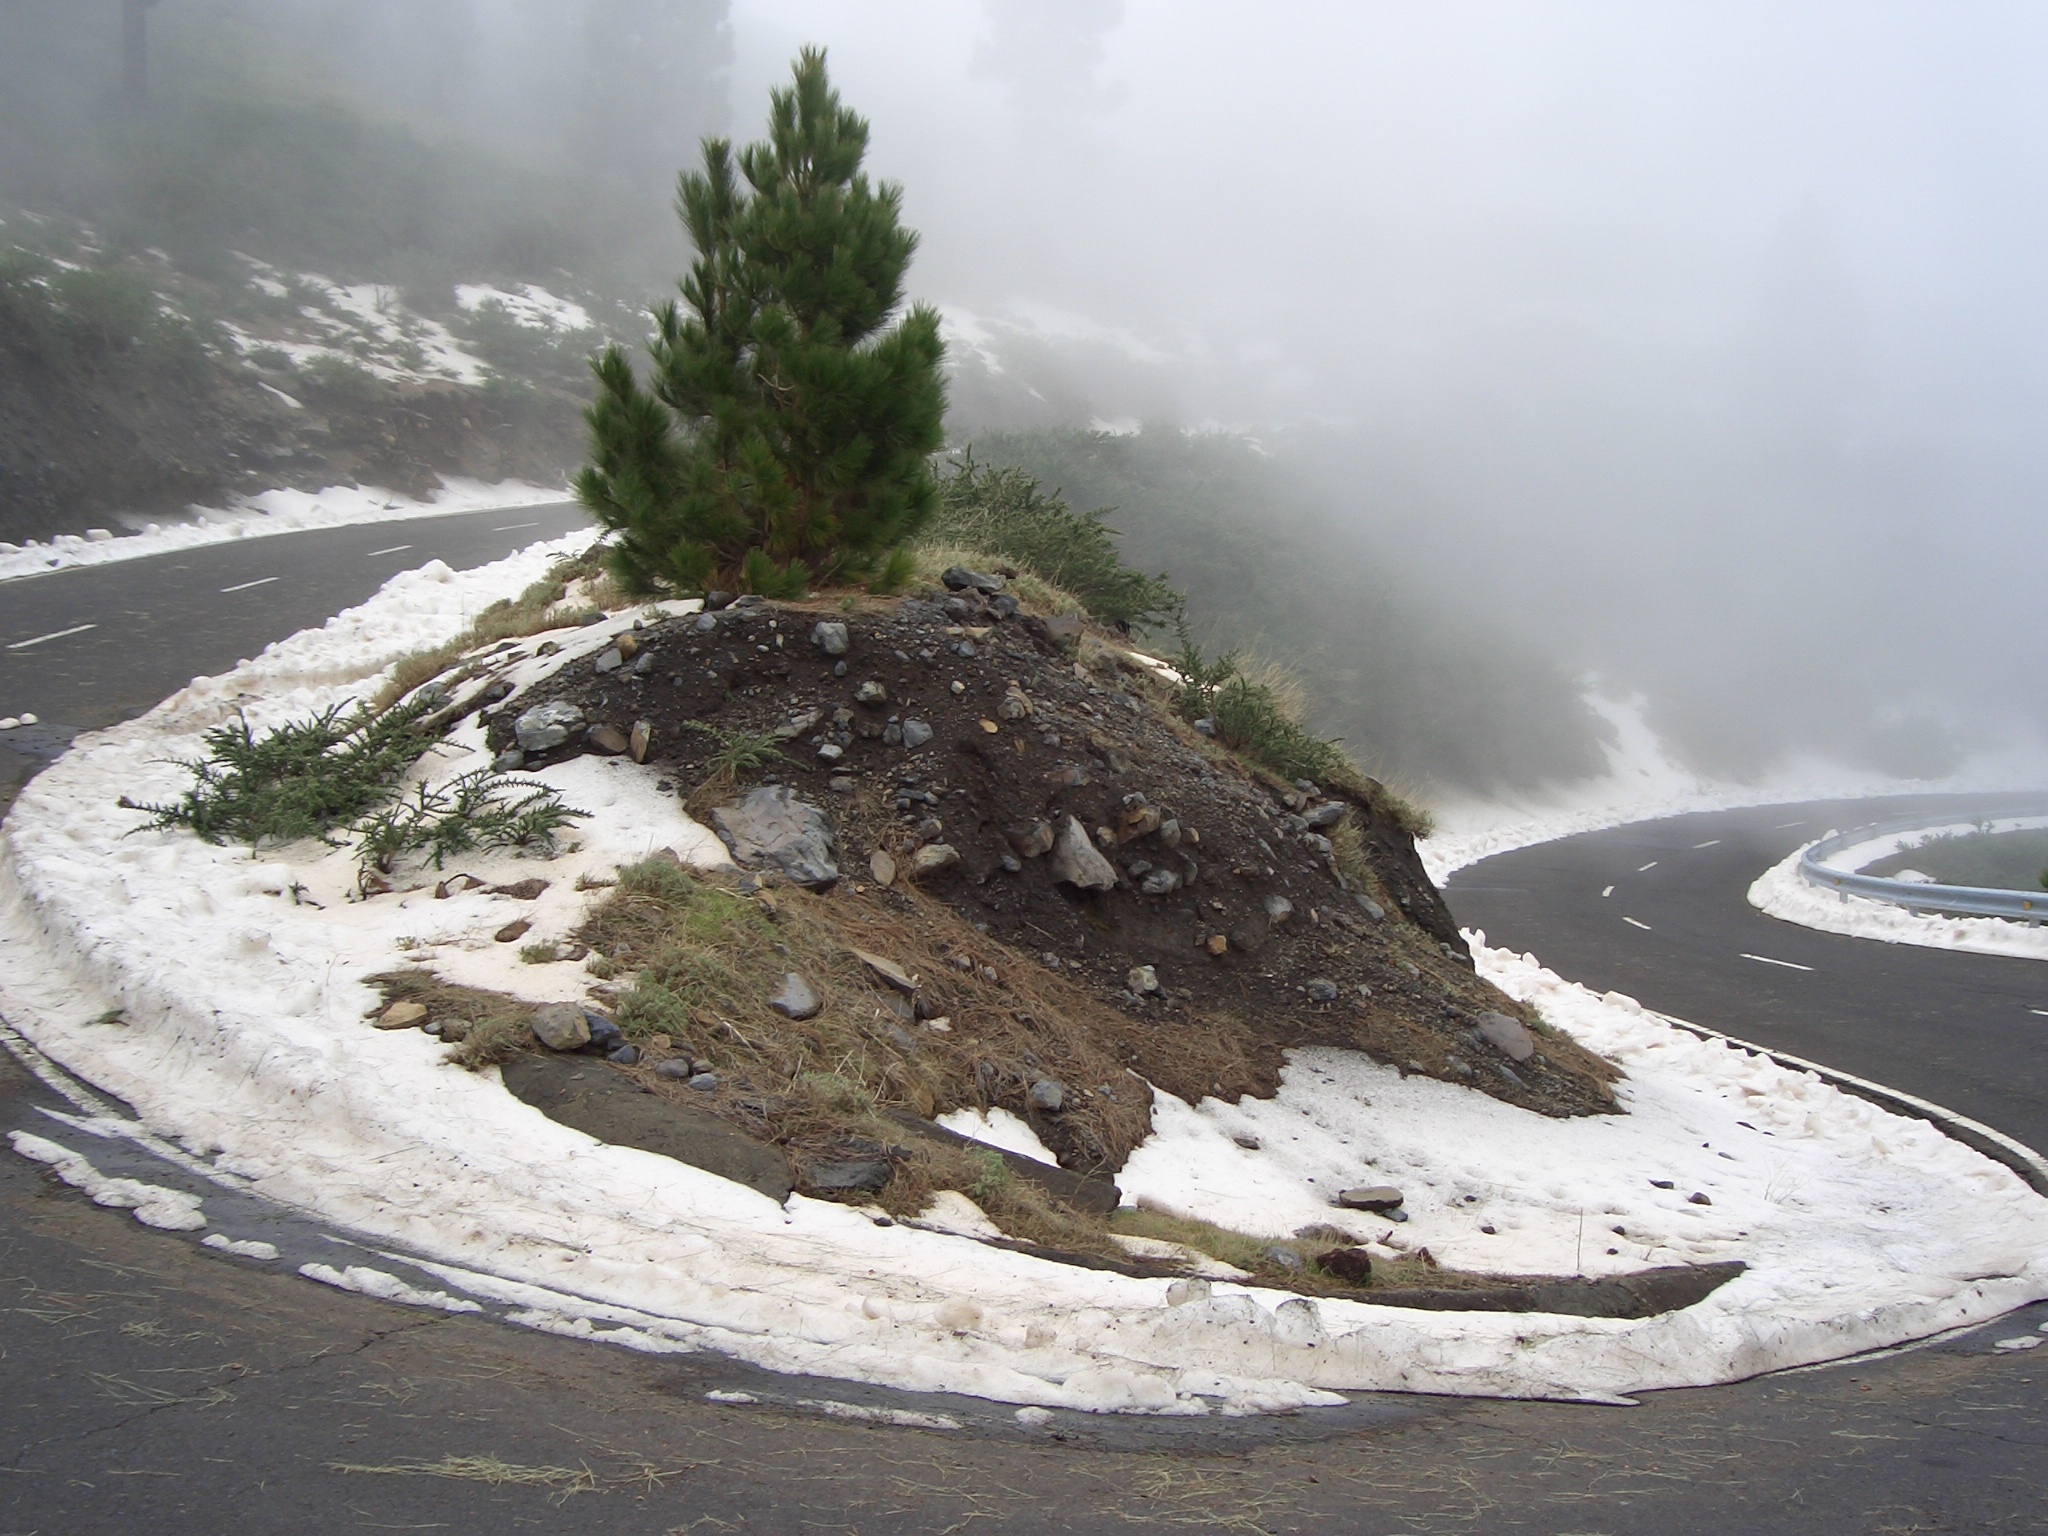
[{"x": 1033, "y": 778}]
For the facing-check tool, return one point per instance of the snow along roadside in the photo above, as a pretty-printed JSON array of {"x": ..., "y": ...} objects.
[
  {"x": 271, "y": 512},
  {"x": 243, "y": 1034},
  {"x": 1782, "y": 893}
]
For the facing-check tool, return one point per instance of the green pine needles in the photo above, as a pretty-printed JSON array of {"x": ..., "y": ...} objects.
[{"x": 784, "y": 432}]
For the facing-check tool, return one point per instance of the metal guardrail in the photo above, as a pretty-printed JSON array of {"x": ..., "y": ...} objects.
[{"x": 1956, "y": 900}]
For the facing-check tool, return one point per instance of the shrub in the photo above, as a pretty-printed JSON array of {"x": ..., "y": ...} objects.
[
  {"x": 1004, "y": 512},
  {"x": 1252, "y": 717}
]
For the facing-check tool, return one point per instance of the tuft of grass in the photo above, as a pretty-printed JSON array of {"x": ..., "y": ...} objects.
[
  {"x": 1004, "y": 512},
  {"x": 1257, "y": 717}
]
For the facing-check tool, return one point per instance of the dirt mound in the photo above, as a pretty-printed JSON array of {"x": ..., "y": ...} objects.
[{"x": 966, "y": 747}]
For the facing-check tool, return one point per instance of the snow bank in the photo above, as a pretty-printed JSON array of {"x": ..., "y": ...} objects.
[
  {"x": 1781, "y": 892},
  {"x": 269, "y": 513},
  {"x": 243, "y": 1034}
]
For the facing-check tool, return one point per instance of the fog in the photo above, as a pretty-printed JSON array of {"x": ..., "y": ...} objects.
[{"x": 1697, "y": 349}]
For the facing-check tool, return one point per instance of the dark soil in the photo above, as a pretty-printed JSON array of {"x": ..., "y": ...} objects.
[{"x": 1099, "y": 743}]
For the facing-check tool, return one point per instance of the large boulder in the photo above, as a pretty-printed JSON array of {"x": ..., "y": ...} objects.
[
  {"x": 1076, "y": 860},
  {"x": 547, "y": 725},
  {"x": 773, "y": 829}
]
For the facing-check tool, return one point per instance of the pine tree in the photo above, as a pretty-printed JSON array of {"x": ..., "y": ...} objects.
[{"x": 786, "y": 428}]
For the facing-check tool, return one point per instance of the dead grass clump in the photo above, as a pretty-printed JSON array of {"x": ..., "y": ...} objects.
[
  {"x": 509, "y": 618},
  {"x": 483, "y": 1028},
  {"x": 1032, "y": 589}
]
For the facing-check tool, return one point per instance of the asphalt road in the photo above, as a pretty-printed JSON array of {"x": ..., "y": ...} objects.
[
  {"x": 148, "y": 1384},
  {"x": 1677, "y": 933}
]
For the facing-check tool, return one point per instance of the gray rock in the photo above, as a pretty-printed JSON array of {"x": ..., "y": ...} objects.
[
  {"x": 623, "y": 1055},
  {"x": 1004, "y": 606},
  {"x": 1278, "y": 909},
  {"x": 932, "y": 858},
  {"x": 1285, "y": 1258},
  {"x": 1325, "y": 816},
  {"x": 608, "y": 739},
  {"x": 676, "y": 1069},
  {"x": 871, "y": 692},
  {"x": 604, "y": 1034},
  {"x": 959, "y": 579},
  {"x": 797, "y": 999},
  {"x": 511, "y": 760},
  {"x": 610, "y": 660},
  {"x": 915, "y": 734},
  {"x": 705, "y": 1082},
  {"x": 1206, "y": 726},
  {"x": 866, "y": 1176},
  {"x": 1506, "y": 1035},
  {"x": 1371, "y": 908},
  {"x": 1143, "y": 980},
  {"x": 1161, "y": 882},
  {"x": 1030, "y": 840},
  {"x": 830, "y": 637},
  {"x": 831, "y": 752},
  {"x": 1371, "y": 1197},
  {"x": 1077, "y": 861},
  {"x": 1322, "y": 991},
  {"x": 1048, "y": 1094},
  {"x": 706, "y": 623},
  {"x": 561, "y": 1027},
  {"x": 774, "y": 829},
  {"x": 714, "y": 601},
  {"x": 641, "y": 739},
  {"x": 547, "y": 725}
]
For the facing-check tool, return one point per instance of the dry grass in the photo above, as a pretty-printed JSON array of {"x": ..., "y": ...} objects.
[
  {"x": 1029, "y": 587},
  {"x": 582, "y": 582}
]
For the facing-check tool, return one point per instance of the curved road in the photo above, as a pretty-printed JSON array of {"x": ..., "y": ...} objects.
[{"x": 147, "y": 1384}]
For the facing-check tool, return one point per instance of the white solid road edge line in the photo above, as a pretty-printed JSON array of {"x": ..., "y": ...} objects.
[
  {"x": 2022, "y": 1159},
  {"x": 76, "y": 629}
]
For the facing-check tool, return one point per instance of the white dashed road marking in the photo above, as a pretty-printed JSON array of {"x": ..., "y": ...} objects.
[
  {"x": 1712, "y": 842},
  {"x": 1634, "y": 924},
  {"x": 2041, "y": 1011},
  {"x": 1608, "y": 892},
  {"x": 396, "y": 549},
  {"x": 1790, "y": 965},
  {"x": 514, "y": 527},
  {"x": 1651, "y": 865},
  {"x": 1785, "y": 826},
  {"x": 76, "y": 629},
  {"x": 260, "y": 581}
]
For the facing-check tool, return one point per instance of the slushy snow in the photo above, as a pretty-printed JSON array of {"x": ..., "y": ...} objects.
[{"x": 245, "y": 1035}]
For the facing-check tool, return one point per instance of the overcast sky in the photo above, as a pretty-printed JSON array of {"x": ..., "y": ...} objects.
[{"x": 1704, "y": 341}]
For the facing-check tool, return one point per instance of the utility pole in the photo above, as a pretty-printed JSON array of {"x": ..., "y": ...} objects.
[{"x": 135, "y": 51}]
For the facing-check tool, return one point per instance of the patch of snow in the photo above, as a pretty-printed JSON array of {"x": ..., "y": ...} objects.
[
  {"x": 241, "y": 1248},
  {"x": 899, "y": 1418},
  {"x": 1781, "y": 892},
  {"x": 153, "y": 1205},
  {"x": 531, "y": 306},
  {"x": 1862, "y": 1229},
  {"x": 998, "y": 1128},
  {"x": 274, "y": 512},
  {"x": 385, "y": 1287}
]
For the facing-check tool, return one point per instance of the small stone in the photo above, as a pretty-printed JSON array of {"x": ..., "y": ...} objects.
[
  {"x": 1371, "y": 1197},
  {"x": 609, "y": 661},
  {"x": 1143, "y": 980},
  {"x": 1139, "y": 821},
  {"x": 454, "y": 1031},
  {"x": 561, "y": 1027},
  {"x": 1217, "y": 944},
  {"x": 627, "y": 644},
  {"x": 871, "y": 692},
  {"x": 1322, "y": 817},
  {"x": 604, "y": 1034},
  {"x": 623, "y": 1055},
  {"x": 915, "y": 734},
  {"x": 1076, "y": 860},
  {"x": 1322, "y": 991},
  {"x": 1247, "y": 1141},
  {"x": 957, "y": 578},
  {"x": 797, "y": 999},
  {"x": 882, "y": 867},
  {"x": 516, "y": 929},
  {"x": 831, "y": 752},
  {"x": 546, "y": 726},
  {"x": 1015, "y": 706},
  {"x": 608, "y": 739},
  {"x": 1031, "y": 839},
  {"x": 1351, "y": 1265},
  {"x": 705, "y": 624},
  {"x": 640, "y": 740},
  {"x": 714, "y": 601},
  {"x": 407, "y": 1015},
  {"x": 990, "y": 727},
  {"x": 1696, "y": 1198},
  {"x": 1161, "y": 882},
  {"x": 1506, "y": 1035},
  {"x": 1371, "y": 908},
  {"x": 1278, "y": 909},
  {"x": 1048, "y": 1094},
  {"x": 675, "y": 1069},
  {"x": 840, "y": 784},
  {"x": 830, "y": 637},
  {"x": 932, "y": 858},
  {"x": 888, "y": 970},
  {"x": 705, "y": 1082},
  {"x": 1662, "y": 1184},
  {"x": 773, "y": 827},
  {"x": 957, "y": 687},
  {"x": 511, "y": 760}
]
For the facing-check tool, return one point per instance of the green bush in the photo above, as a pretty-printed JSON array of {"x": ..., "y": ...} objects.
[
  {"x": 1004, "y": 512},
  {"x": 1250, "y": 717}
]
